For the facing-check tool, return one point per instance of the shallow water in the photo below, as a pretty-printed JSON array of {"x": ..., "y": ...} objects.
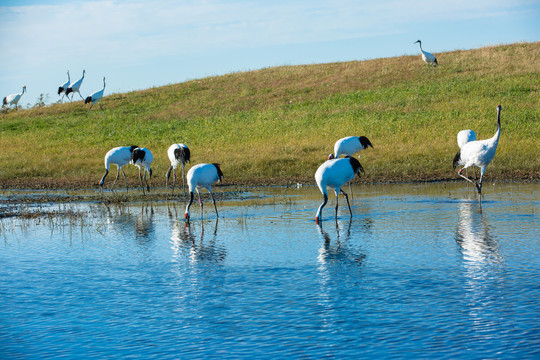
[{"x": 419, "y": 271}]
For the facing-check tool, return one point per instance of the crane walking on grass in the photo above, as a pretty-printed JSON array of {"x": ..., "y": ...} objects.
[
  {"x": 63, "y": 88},
  {"x": 334, "y": 173},
  {"x": 429, "y": 58},
  {"x": 95, "y": 97},
  {"x": 202, "y": 176},
  {"x": 179, "y": 154},
  {"x": 478, "y": 153},
  {"x": 75, "y": 87},
  {"x": 13, "y": 99},
  {"x": 142, "y": 158},
  {"x": 119, "y": 156}
]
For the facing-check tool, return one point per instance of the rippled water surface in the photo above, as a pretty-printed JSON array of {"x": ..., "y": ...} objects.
[{"x": 420, "y": 271}]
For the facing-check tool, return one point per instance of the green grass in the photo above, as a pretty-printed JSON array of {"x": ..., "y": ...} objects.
[{"x": 277, "y": 125}]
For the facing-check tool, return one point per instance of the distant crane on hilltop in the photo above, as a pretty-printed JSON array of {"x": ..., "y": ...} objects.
[
  {"x": 63, "y": 88},
  {"x": 13, "y": 99},
  {"x": 478, "y": 153},
  {"x": 75, "y": 87},
  {"x": 334, "y": 173},
  {"x": 429, "y": 58},
  {"x": 179, "y": 154},
  {"x": 202, "y": 175},
  {"x": 95, "y": 97}
]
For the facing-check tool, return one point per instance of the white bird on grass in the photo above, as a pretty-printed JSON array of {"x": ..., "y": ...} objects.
[
  {"x": 179, "y": 154},
  {"x": 334, "y": 173},
  {"x": 13, "y": 99},
  {"x": 429, "y": 58},
  {"x": 202, "y": 176},
  {"x": 63, "y": 88},
  {"x": 142, "y": 158},
  {"x": 479, "y": 153},
  {"x": 95, "y": 97},
  {"x": 119, "y": 156},
  {"x": 349, "y": 146},
  {"x": 75, "y": 87}
]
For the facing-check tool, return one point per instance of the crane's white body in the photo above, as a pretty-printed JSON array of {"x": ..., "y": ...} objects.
[
  {"x": 178, "y": 154},
  {"x": 63, "y": 88},
  {"x": 465, "y": 136},
  {"x": 13, "y": 99},
  {"x": 75, "y": 87},
  {"x": 202, "y": 176},
  {"x": 142, "y": 158},
  {"x": 334, "y": 173},
  {"x": 96, "y": 97},
  {"x": 428, "y": 58},
  {"x": 119, "y": 156},
  {"x": 479, "y": 153},
  {"x": 350, "y": 145}
]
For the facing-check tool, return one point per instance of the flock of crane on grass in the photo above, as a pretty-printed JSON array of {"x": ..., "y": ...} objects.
[
  {"x": 65, "y": 89},
  {"x": 333, "y": 173}
]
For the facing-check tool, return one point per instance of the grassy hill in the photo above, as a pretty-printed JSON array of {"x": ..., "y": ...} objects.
[{"x": 277, "y": 125}]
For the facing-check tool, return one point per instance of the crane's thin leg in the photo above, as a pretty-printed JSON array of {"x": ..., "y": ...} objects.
[
  {"x": 466, "y": 178},
  {"x": 350, "y": 189},
  {"x": 183, "y": 179},
  {"x": 146, "y": 181},
  {"x": 117, "y": 175},
  {"x": 214, "y": 200},
  {"x": 337, "y": 202},
  {"x": 79, "y": 95},
  {"x": 200, "y": 202},
  {"x": 174, "y": 179},
  {"x": 479, "y": 184},
  {"x": 348, "y": 204},
  {"x": 125, "y": 180},
  {"x": 140, "y": 178},
  {"x": 99, "y": 101}
]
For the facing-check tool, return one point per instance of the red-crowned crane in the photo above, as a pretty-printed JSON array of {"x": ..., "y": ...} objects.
[
  {"x": 142, "y": 158},
  {"x": 202, "y": 176},
  {"x": 95, "y": 97},
  {"x": 75, "y": 87},
  {"x": 334, "y": 173},
  {"x": 179, "y": 154},
  {"x": 478, "y": 153},
  {"x": 349, "y": 146},
  {"x": 13, "y": 99},
  {"x": 119, "y": 156},
  {"x": 429, "y": 58},
  {"x": 63, "y": 88}
]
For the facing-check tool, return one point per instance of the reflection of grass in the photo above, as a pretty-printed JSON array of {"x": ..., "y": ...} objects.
[{"x": 276, "y": 125}]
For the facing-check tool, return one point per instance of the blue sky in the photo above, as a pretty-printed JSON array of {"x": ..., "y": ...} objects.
[{"x": 141, "y": 44}]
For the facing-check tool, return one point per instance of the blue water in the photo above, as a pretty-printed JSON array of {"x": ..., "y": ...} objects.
[{"x": 421, "y": 271}]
